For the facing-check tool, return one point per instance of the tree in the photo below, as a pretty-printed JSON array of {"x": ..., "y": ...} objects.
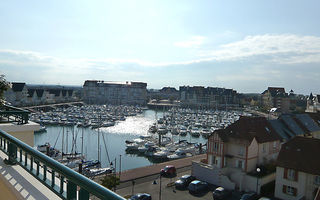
[
  {"x": 4, "y": 85},
  {"x": 110, "y": 181}
]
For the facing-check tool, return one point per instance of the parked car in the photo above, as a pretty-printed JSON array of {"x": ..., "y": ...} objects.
[
  {"x": 221, "y": 193},
  {"x": 184, "y": 181},
  {"x": 249, "y": 196},
  {"x": 169, "y": 170},
  {"x": 197, "y": 186},
  {"x": 141, "y": 196}
]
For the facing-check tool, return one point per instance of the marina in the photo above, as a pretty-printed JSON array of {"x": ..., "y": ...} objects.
[{"x": 123, "y": 137}]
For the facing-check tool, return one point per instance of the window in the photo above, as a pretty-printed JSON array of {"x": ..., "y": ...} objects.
[
  {"x": 291, "y": 190},
  {"x": 317, "y": 180},
  {"x": 239, "y": 164},
  {"x": 274, "y": 145},
  {"x": 291, "y": 174},
  {"x": 241, "y": 151},
  {"x": 264, "y": 148},
  {"x": 216, "y": 147}
]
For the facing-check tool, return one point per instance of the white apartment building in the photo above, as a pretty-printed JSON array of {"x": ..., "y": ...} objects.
[{"x": 100, "y": 92}]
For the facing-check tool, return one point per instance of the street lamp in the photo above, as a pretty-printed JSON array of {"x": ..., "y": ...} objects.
[{"x": 258, "y": 171}]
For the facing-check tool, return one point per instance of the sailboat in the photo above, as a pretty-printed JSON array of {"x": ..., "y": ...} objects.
[{"x": 96, "y": 169}]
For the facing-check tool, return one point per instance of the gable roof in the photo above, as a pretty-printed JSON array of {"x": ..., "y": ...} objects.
[
  {"x": 299, "y": 154},
  {"x": 18, "y": 87},
  {"x": 281, "y": 129},
  {"x": 276, "y": 91},
  {"x": 70, "y": 92},
  {"x": 39, "y": 92},
  {"x": 30, "y": 92},
  {"x": 292, "y": 124},
  {"x": 247, "y": 128}
]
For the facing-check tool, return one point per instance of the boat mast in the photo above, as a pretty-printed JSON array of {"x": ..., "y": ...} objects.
[{"x": 62, "y": 141}]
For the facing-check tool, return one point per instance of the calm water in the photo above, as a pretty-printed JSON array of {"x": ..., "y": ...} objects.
[{"x": 114, "y": 138}]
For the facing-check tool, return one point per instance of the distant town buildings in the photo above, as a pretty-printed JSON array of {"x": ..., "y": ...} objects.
[
  {"x": 22, "y": 94},
  {"x": 313, "y": 103},
  {"x": 166, "y": 93},
  {"x": 212, "y": 97},
  {"x": 101, "y": 92},
  {"x": 276, "y": 97}
]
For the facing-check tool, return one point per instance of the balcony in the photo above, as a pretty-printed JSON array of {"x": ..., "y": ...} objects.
[{"x": 33, "y": 175}]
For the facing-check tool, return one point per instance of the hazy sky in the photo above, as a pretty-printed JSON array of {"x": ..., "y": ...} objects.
[{"x": 246, "y": 45}]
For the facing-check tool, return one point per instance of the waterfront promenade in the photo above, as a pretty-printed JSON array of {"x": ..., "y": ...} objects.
[{"x": 142, "y": 174}]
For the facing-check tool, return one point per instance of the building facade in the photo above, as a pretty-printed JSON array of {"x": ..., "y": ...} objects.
[
  {"x": 100, "y": 92},
  {"x": 298, "y": 169},
  {"x": 313, "y": 103},
  {"x": 275, "y": 97},
  {"x": 207, "y": 97},
  {"x": 22, "y": 94},
  {"x": 246, "y": 144}
]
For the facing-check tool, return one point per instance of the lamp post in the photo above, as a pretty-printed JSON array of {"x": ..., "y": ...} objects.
[{"x": 258, "y": 171}]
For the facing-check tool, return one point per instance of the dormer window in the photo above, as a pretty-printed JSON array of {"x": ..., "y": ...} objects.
[{"x": 267, "y": 129}]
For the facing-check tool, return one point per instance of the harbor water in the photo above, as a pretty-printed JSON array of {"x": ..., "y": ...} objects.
[{"x": 112, "y": 140}]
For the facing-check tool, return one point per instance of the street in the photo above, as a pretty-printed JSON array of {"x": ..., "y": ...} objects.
[{"x": 168, "y": 190}]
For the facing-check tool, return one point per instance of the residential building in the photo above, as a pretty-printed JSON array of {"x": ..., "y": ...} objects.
[
  {"x": 21, "y": 94},
  {"x": 16, "y": 94},
  {"x": 199, "y": 96},
  {"x": 313, "y": 103},
  {"x": 290, "y": 125},
  {"x": 131, "y": 93},
  {"x": 245, "y": 144},
  {"x": 235, "y": 152},
  {"x": 298, "y": 169},
  {"x": 276, "y": 97}
]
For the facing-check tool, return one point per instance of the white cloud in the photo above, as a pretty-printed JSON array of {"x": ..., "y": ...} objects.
[
  {"x": 276, "y": 59},
  {"x": 194, "y": 42},
  {"x": 286, "y": 48}
]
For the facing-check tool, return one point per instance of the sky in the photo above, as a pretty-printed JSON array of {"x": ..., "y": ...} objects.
[{"x": 245, "y": 45}]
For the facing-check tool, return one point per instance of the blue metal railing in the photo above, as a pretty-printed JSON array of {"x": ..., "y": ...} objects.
[
  {"x": 32, "y": 160},
  {"x": 13, "y": 114}
]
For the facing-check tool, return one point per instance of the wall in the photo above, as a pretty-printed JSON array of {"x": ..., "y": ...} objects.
[
  {"x": 24, "y": 132},
  {"x": 211, "y": 175},
  {"x": 300, "y": 185}
]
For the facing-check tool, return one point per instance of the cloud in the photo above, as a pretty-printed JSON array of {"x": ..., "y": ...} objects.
[
  {"x": 194, "y": 42},
  {"x": 285, "y": 48},
  {"x": 250, "y": 64}
]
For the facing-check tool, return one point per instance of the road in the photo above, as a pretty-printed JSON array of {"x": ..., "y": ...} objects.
[{"x": 147, "y": 185}]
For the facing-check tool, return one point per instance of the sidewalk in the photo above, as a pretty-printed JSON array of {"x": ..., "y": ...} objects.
[{"x": 143, "y": 172}]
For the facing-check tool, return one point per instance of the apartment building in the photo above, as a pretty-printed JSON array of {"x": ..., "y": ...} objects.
[
  {"x": 276, "y": 97},
  {"x": 101, "y": 92},
  {"x": 207, "y": 97}
]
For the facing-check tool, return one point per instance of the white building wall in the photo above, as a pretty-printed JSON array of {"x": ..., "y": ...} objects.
[{"x": 300, "y": 185}]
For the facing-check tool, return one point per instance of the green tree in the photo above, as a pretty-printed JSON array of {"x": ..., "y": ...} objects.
[
  {"x": 110, "y": 181},
  {"x": 4, "y": 85}
]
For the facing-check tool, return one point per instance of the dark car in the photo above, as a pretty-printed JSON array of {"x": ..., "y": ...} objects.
[
  {"x": 184, "y": 181},
  {"x": 249, "y": 196},
  {"x": 141, "y": 196},
  {"x": 221, "y": 193},
  {"x": 169, "y": 170},
  {"x": 196, "y": 187}
]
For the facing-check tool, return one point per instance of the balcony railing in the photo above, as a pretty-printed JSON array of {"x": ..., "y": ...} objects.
[
  {"x": 13, "y": 114},
  {"x": 60, "y": 179}
]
